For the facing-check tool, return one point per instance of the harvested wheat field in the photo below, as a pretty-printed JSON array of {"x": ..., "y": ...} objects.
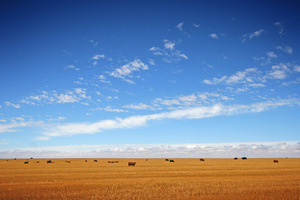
[{"x": 150, "y": 179}]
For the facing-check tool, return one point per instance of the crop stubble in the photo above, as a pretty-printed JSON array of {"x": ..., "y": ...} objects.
[{"x": 152, "y": 179}]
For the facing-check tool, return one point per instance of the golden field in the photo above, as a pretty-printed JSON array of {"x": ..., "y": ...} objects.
[{"x": 152, "y": 179}]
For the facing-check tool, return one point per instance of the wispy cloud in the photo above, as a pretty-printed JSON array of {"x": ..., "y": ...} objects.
[
  {"x": 7, "y": 103},
  {"x": 297, "y": 68},
  {"x": 286, "y": 49},
  {"x": 271, "y": 54},
  {"x": 248, "y": 75},
  {"x": 93, "y": 42},
  {"x": 181, "y": 101},
  {"x": 67, "y": 52},
  {"x": 140, "y": 106},
  {"x": 169, "y": 53},
  {"x": 14, "y": 124},
  {"x": 151, "y": 62},
  {"x": 297, "y": 81},
  {"x": 103, "y": 79},
  {"x": 179, "y": 26},
  {"x": 78, "y": 95},
  {"x": 280, "y": 25},
  {"x": 207, "y": 64},
  {"x": 256, "y": 34},
  {"x": 125, "y": 72},
  {"x": 71, "y": 67},
  {"x": 252, "y": 35},
  {"x": 252, "y": 76},
  {"x": 70, "y": 129},
  {"x": 110, "y": 109}
]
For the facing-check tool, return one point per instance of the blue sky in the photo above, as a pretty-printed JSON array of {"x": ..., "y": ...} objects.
[{"x": 149, "y": 79}]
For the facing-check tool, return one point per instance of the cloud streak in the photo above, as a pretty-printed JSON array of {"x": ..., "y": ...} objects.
[
  {"x": 252, "y": 35},
  {"x": 69, "y": 129},
  {"x": 13, "y": 125}
]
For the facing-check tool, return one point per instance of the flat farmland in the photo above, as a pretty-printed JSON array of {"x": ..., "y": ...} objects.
[{"x": 151, "y": 179}]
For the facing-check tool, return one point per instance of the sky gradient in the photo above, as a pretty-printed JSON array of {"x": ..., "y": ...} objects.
[{"x": 149, "y": 79}]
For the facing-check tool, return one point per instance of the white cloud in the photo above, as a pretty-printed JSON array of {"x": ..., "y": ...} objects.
[
  {"x": 183, "y": 56},
  {"x": 214, "y": 36},
  {"x": 65, "y": 98},
  {"x": 139, "y": 106},
  {"x": 7, "y": 103},
  {"x": 94, "y": 43},
  {"x": 169, "y": 45},
  {"x": 242, "y": 76},
  {"x": 77, "y": 95},
  {"x": 215, "y": 80},
  {"x": 271, "y": 54},
  {"x": 154, "y": 49},
  {"x": 103, "y": 79},
  {"x": 126, "y": 70},
  {"x": 297, "y": 68},
  {"x": 256, "y": 33},
  {"x": 189, "y": 98},
  {"x": 280, "y": 25},
  {"x": 278, "y": 72},
  {"x": 169, "y": 53},
  {"x": 98, "y": 56},
  {"x": 170, "y": 102},
  {"x": 70, "y": 129},
  {"x": 110, "y": 109},
  {"x": 297, "y": 81},
  {"x": 151, "y": 62},
  {"x": 252, "y": 35},
  {"x": 67, "y": 52},
  {"x": 180, "y": 25},
  {"x": 196, "y": 25},
  {"x": 13, "y": 125},
  {"x": 60, "y": 118},
  {"x": 256, "y": 85},
  {"x": 72, "y": 67},
  {"x": 42, "y": 138},
  {"x": 253, "y": 77},
  {"x": 3, "y": 141},
  {"x": 186, "y": 150},
  {"x": 206, "y": 64},
  {"x": 286, "y": 49}
]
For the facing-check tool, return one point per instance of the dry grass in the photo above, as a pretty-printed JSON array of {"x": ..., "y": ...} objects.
[{"x": 152, "y": 179}]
